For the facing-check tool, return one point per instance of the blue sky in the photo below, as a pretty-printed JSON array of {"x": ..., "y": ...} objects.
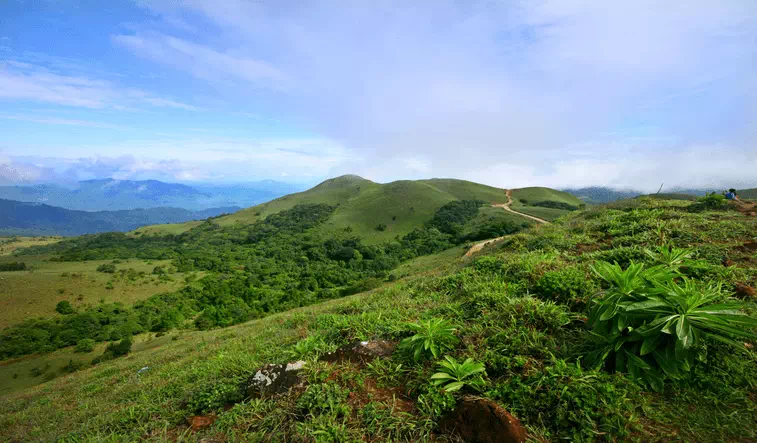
[{"x": 551, "y": 93}]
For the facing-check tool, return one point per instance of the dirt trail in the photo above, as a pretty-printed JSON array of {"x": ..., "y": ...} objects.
[{"x": 506, "y": 206}]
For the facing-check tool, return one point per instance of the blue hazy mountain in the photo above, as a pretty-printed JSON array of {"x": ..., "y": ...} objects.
[
  {"x": 110, "y": 194},
  {"x": 24, "y": 218},
  {"x": 599, "y": 195}
]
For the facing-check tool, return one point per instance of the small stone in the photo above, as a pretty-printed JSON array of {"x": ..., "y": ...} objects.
[
  {"x": 145, "y": 369},
  {"x": 483, "y": 421},
  {"x": 273, "y": 379}
]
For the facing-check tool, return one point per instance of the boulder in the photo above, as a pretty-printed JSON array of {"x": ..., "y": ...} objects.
[
  {"x": 480, "y": 420},
  {"x": 361, "y": 351},
  {"x": 273, "y": 379}
]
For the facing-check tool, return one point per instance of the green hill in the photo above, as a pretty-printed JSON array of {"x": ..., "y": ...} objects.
[
  {"x": 545, "y": 203},
  {"x": 749, "y": 194},
  {"x": 363, "y": 205},
  {"x": 570, "y": 363}
]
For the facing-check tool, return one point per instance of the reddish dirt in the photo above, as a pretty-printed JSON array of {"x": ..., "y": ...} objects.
[
  {"x": 369, "y": 391},
  {"x": 199, "y": 422},
  {"x": 745, "y": 291},
  {"x": 482, "y": 420}
]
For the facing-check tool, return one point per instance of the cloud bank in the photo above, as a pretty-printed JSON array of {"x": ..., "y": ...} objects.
[{"x": 459, "y": 87}]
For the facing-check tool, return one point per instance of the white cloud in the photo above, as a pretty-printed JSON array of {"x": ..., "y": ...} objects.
[
  {"x": 462, "y": 86},
  {"x": 62, "y": 121},
  {"x": 190, "y": 158},
  {"x": 22, "y": 81}
]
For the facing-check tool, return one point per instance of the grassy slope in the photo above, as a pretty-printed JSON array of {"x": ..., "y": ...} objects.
[
  {"x": 536, "y": 194},
  {"x": 35, "y": 292},
  {"x": 169, "y": 228},
  {"x": 512, "y": 335},
  {"x": 10, "y": 244},
  {"x": 363, "y": 205}
]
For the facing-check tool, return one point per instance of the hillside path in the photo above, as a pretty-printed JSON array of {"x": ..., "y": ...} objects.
[{"x": 506, "y": 206}]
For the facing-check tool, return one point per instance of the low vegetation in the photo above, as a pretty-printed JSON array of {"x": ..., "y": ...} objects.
[{"x": 626, "y": 322}]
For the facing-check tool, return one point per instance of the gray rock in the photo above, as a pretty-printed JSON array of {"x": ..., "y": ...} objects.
[
  {"x": 361, "y": 351},
  {"x": 273, "y": 379}
]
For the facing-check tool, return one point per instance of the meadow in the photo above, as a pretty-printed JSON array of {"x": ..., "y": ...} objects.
[{"x": 36, "y": 291}]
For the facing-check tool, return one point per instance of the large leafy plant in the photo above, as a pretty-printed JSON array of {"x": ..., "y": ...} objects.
[
  {"x": 453, "y": 376},
  {"x": 650, "y": 322},
  {"x": 432, "y": 337}
]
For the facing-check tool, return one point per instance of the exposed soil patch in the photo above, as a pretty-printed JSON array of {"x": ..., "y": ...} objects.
[
  {"x": 482, "y": 420},
  {"x": 369, "y": 391},
  {"x": 199, "y": 422},
  {"x": 745, "y": 291}
]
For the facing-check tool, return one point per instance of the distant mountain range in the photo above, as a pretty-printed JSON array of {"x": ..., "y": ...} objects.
[
  {"x": 111, "y": 194},
  {"x": 23, "y": 218},
  {"x": 598, "y": 195}
]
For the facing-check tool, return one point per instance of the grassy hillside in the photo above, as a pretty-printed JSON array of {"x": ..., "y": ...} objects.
[
  {"x": 526, "y": 200},
  {"x": 750, "y": 194},
  {"x": 35, "y": 291},
  {"x": 520, "y": 309},
  {"x": 362, "y": 205}
]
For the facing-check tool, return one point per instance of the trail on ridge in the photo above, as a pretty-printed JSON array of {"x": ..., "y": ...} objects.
[{"x": 506, "y": 206}]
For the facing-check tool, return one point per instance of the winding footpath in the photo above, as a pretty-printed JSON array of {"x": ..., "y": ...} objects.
[{"x": 506, "y": 206}]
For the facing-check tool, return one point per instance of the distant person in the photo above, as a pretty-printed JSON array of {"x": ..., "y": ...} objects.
[{"x": 731, "y": 195}]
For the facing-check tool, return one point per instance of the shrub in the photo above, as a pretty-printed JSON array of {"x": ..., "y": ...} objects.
[
  {"x": 64, "y": 307},
  {"x": 711, "y": 201},
  {"x": 650, "y": 322},
  {"x": 13, "y": 266},
  {"x": 72, "y": 366},
  {"x": 430, "y": 339},
  {"x": 114, "y": 350},
  {"x": 572, "y": 403},
  {"x": 568, "y": 286},
  {"x": 85, "y": 345},
  {"x": 108, "y": 268},
  {"x": 324, "y": 398},
  {"x": 381, "y": 227},
  {"x": 453, "y": 376},
  {"x": 556, "y": 205}
]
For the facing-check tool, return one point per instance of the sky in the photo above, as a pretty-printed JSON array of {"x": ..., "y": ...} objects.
[{"x": 624, "y": 94}]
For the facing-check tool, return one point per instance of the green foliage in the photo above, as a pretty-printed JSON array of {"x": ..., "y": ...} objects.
[
  {"x": 568, "y": 286},
  {"x": 311, "y": 347},
  {"x": 432, "y": 337},
  {"x": 453, "y": 376},
  {"x": 711, "y": 201},
  {"x": 555, "y": 205},
  {"x": 64, "y": 307},
  {"x": 381, "y": 227},
  {"x": 85, "y": 345},
  {"x": 114, "y": 350},
  {"x": 571, "y": 403},
  {"x": 12, "y": 266},
  {"x": 649, "y": 322},
  {"x": 324, "y": 399},
  {"x": 107, "y": 268},
  {"x": 450, "y": 217}
]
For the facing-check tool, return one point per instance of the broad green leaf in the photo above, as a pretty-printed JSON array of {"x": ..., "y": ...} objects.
[{"x": 649, "y": 345}]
